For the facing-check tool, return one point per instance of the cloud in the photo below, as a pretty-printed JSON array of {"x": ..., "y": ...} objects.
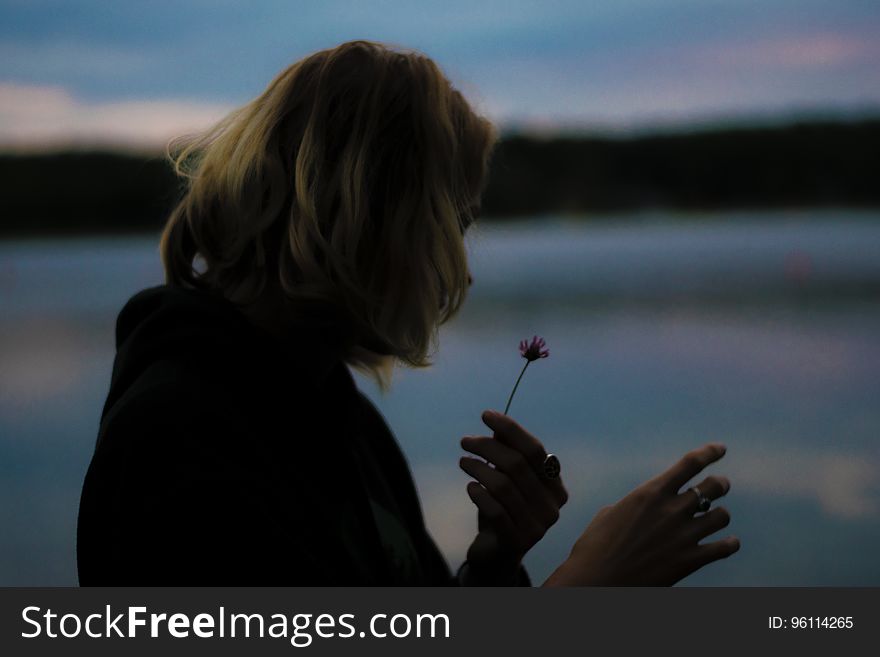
[
  {"x": 33, "y": 116},
  {"x": 702, "y": 78},
  {"x": 801, "y": 52}
]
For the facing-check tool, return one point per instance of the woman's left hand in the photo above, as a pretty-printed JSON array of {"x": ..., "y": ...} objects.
[{"x": 517, "y": 503}]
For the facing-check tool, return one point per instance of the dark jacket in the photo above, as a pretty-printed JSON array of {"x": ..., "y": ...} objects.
[{"x": 225, "y": 457}]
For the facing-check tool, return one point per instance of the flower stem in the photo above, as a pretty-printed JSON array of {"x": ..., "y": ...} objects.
[{"x": 515, "y": 386}]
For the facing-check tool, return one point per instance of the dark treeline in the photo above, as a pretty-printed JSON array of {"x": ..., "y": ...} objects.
[
  {"x": 85, "y": 192},
  {"x": 803, "y": 165}
]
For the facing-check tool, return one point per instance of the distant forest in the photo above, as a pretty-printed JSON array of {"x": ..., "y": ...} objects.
[{"x": 796, "y": 166}]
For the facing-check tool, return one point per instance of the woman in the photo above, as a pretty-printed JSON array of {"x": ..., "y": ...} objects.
[{"x": 322, "y": 227}]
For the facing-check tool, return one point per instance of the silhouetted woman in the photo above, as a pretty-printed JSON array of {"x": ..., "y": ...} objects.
[{"x": 322, "y": 227}]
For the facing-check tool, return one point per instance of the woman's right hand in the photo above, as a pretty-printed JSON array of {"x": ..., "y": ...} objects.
[{"x": 652, "y": 537}]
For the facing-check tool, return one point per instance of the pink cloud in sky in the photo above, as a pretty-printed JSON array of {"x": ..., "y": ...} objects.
[
  {"x": 35, "y": 117},
  {"x": 801, "y": 52}
]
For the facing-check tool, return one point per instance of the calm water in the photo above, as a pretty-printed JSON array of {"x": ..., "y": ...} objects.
[{"x": 762, "y": 331}]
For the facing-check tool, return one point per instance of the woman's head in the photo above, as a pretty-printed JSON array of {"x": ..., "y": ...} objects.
[{"x": 348, "y": 182}]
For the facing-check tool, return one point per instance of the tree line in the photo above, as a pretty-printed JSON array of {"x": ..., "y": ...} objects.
[{"x": 833, "y": 164}]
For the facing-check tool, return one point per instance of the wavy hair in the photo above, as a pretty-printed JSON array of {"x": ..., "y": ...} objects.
[{"x": 347, "y": 184}]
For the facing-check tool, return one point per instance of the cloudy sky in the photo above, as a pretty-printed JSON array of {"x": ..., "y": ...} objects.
[{"x": 140, "y": 72}]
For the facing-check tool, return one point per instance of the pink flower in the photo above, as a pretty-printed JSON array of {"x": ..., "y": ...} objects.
[{"x": 533, "y": 350}]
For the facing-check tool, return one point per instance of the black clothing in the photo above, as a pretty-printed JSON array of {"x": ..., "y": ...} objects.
[{"x": 225, "y": 457}]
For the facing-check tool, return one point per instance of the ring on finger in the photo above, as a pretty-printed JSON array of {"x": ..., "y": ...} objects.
[
  {"x": 551, "y": 466},
  {"x": 703, "y": 502}
]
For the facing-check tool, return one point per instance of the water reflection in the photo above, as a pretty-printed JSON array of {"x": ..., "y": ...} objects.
[{"x": 663, "y": 336}]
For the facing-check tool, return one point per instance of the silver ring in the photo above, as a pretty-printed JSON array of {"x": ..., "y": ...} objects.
[
  {"x": 703, "y": 502},
  {"x": 552, "y": 466}
]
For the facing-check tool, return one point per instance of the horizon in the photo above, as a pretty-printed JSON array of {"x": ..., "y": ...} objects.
[{"x": 719, "y": 125}]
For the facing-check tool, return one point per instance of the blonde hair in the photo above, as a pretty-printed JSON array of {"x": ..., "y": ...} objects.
[{"x": 348, "y": 183}]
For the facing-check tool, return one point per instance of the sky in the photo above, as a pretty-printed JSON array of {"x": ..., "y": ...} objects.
[{"x": 142, "y": 72}]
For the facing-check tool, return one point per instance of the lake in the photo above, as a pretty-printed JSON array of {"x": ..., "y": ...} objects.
[{"x": 760, "y": 330}]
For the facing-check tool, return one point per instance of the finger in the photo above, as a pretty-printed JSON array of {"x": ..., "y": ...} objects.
[
  {"x": 713, "y": 487},
  {"x": 500, "y": 486},
  {"x": 707, "y": 524},
  {"x": 512, "y": 463},
  {"x": 513, "y": 435},
  {"x": 505, "y": 492},
  {"x": 701, "y": 555},
  {"x": 491, "y": 511},
  {"x": 690, "y": 465}
]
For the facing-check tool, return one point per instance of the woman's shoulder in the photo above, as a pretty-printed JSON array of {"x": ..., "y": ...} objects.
[
  {"x": 163, "y": 388},
  {"x": 168, "y": 420}
]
